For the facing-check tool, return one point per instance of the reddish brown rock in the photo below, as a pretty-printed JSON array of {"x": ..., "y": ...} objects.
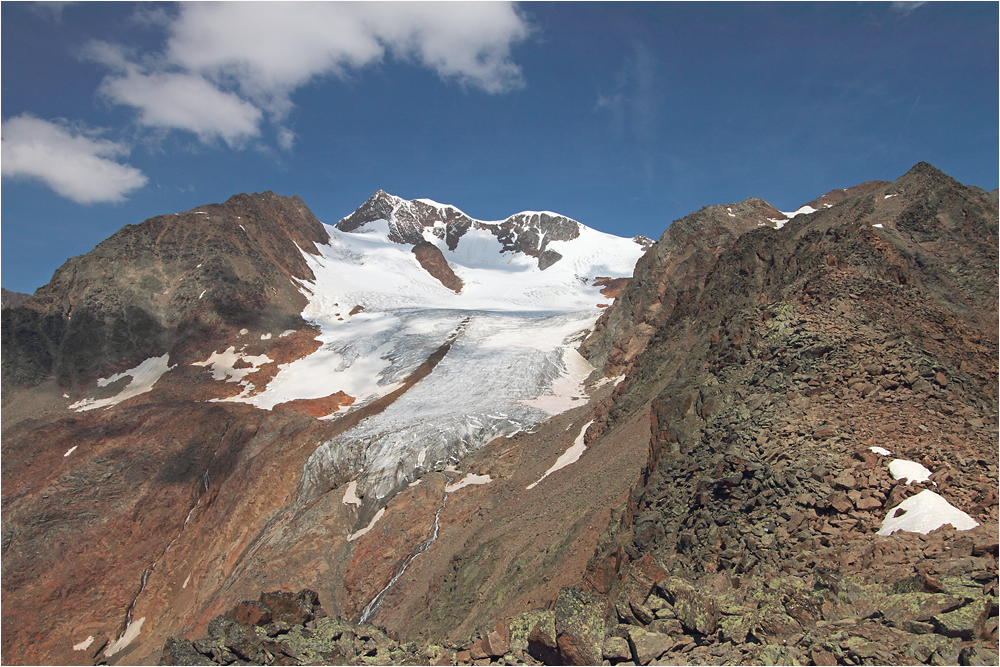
[
  {"x": 495, "y": 645},
  {"x": 316, "y": 407},
  {"x": 433, "y": 261}
]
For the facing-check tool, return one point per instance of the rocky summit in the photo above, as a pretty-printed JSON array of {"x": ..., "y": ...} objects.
[{"x": 237, "y": 435}]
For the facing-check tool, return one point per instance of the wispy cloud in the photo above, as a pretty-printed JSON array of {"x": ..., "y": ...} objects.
[
  {"x": 70, "y": 160},
  {"x": 906, "y": 7},
  {"x": 286, "y": 138},
  {"x": 634, "y": 104},
  {"x": 226, "y": 66}
]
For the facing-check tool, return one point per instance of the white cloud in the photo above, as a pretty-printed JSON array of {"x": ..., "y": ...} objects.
[
  {"x": 75, "y": 165},
  {"x": 187, "y": 102},
  {"x": 226, "y": 63}
]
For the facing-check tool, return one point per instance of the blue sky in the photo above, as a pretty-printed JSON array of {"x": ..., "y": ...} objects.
[{"x": 623, "y": 116}]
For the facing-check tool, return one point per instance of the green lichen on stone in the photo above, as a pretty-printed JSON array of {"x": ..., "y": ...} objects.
[
  {"x": 961, "y": 622},
  {"x": 522, "y": 625}
]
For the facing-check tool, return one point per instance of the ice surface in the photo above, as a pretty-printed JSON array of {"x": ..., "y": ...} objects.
[
  {"x": 144, "y": 376},
  {"x": 568, "y": 389},
  {"x": 923, "y": 513},
  {"x": 909, "y": 470},
  {"x": 881, "y": 451},
  {"x": 70, "y": 450}
]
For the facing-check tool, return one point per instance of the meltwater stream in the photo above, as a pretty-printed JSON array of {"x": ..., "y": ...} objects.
[{"x": 373, "y": 607}]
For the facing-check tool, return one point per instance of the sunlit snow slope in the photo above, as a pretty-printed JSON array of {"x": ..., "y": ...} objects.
[{"x": 512, "y": 362}]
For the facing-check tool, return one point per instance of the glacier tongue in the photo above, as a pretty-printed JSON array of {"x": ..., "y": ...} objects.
[
  {"x": 473, "y": 396},
  {"x": 508, "y": 338}
]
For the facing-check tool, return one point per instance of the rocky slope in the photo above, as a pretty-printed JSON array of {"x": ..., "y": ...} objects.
[
  {"x": 164, "y": 286},
  {"x": 11, "y": 299},
  {"x": 723, "y": 506}
]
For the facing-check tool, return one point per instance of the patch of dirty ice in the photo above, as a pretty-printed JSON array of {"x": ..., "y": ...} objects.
[
  {"x": 350, "y": 494},
  {"x": 570, "y": 456},
  {"x": 131, "y": 632},
  {"x": 371, "y": 524},
  {"x": 469, "y": 480},
  {"x": 567, "y": 390}
]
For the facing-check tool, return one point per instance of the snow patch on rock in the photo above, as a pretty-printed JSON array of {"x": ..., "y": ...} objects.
[
  {"x": 571, "y": 455},
  {"x": 371, "y": 524},
  {"x": 468, "y": 480},
  {"x": 350, "y": 495},
  {"x": 923, "y": 513},
  {"x": 131, "y": 632},
  {"x": 144, "y": 376},
  {"x": 909, "y": 470}
]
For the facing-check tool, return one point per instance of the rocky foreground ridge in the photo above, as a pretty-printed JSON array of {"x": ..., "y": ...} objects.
[{"x": 726, "y": 509}]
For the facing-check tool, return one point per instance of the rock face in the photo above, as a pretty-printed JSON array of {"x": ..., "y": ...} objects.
[
  {"x": 672, "y": 272},
  {"x": 433, "y": 261},
  {"x": 725, "y": 509},
  {"x": 164, "y": 286},
  {"x": 791, "y": 355}
]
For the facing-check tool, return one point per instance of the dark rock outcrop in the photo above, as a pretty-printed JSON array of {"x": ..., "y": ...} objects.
[{"x": 433, "y": 261}]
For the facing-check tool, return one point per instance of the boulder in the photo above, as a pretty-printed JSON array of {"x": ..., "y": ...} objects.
[
  {"x": 180, "y": 652},
  {"x": 616, "y": 649},
  {"x": 648, "y": 646},
  {"x": 580, "y": 626},
  {"x": 495, "y": 645},
  {"x": 697, "y": 612},
  {"x": 291, "y": 608}
]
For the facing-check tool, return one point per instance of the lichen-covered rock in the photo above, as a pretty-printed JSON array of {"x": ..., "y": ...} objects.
[
  {"x": 616, "y": 649},
  {"x": 579, "y": 625},
  {"x": 696, "y": 611},
  {"x": 180, "y": 652},
  {"x": 963, "y": 622},
  {"x": 648, "y": 646}
]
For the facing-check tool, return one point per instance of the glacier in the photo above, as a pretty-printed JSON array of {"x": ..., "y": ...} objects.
[{"x": 511, "y": 331}]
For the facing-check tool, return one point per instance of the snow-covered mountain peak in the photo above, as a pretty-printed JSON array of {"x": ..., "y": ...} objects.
[{"x": 411, "y": 222}]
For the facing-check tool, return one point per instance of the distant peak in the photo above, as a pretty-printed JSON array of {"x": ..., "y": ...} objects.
[{"x": 927, "y": 169}]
